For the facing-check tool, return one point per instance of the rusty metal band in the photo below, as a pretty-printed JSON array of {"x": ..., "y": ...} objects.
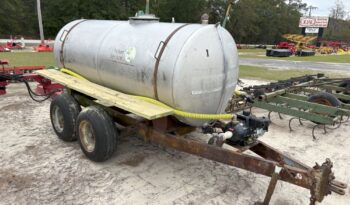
[
  {"x": 64, "y": 41},
  {"x": 156, "y": 67}
]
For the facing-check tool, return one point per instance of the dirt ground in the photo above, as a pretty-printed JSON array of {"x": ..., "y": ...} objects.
[{"x": 37, "y": 168}]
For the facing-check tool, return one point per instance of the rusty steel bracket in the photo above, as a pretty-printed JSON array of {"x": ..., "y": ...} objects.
[
  {"x": 319, "y": 180},
  {"x": 324, "y": 183},
  {"x": 272, "y": 185}
]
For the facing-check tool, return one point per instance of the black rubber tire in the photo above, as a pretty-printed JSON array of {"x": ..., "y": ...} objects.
[
  {"x": 325, "y": 99},
  {"x": 103, "y": 130},
  {"x": 268, "y": 52},
  {"x": 280, "y": 53},
  {"x": 345, "y": 84},
  {"x": 306, "y": 53},
  {"x": 69, "y": 109}
]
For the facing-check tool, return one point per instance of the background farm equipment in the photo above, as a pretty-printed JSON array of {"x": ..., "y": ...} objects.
[
  {"x": 333, "y": 47},
  {"x": 299, "y": 47},
  {"x": 15, "y": 43},
  {"x": 12, "y": 74},
  {"x": 43, "y": 48},
  {"x": 4, "y": 49},
  {"x": 315, "y": 98},
  {"x": 283, "y": 49}
]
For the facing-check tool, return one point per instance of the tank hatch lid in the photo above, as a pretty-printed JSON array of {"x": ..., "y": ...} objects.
[{"x": 140, "y": 16}]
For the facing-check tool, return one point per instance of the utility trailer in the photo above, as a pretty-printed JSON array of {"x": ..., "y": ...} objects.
[{"x": 95, "y": 129}]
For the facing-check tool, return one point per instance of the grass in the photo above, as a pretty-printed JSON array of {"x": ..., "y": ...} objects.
[
  {"x": 30, "y": 59},
  {"x": 327, "y": 58},
  {"x": 275, "y": 74},
  {"x": 323, "y": 58},
  {"x": 251, "y": 50}
]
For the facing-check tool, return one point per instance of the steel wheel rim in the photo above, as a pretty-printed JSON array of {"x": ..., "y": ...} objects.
[
  {"x": 58, "y": 120},
  {"x": 87, "y": 136}
]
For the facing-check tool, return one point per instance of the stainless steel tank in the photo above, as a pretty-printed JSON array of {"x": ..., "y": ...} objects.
[{"x": 190, "y": 67}]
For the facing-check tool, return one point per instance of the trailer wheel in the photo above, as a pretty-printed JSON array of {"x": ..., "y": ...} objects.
[
  {"x": 324, "y": 98},
  {"x": 97, "y": 134},
  {"x": 64, "y": 110}
]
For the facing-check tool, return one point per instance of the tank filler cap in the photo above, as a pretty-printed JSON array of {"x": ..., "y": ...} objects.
[{"x": 141, "y": 16}]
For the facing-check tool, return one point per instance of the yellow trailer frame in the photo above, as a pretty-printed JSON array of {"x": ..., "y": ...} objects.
[{"x": 106, "y": 96}]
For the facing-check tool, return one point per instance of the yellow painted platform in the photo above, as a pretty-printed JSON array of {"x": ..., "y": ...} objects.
[{"x": 107, "y": 96}]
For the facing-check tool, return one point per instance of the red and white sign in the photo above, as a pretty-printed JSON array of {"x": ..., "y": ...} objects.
[{"x": 314, "y": 22}]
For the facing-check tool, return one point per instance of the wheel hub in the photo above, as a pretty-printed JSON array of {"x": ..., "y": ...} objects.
[
  {"x": 87, "y": 136},
  {"x": 58, "y": 120}
]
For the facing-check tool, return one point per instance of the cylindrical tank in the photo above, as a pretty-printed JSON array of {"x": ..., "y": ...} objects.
[{"x": 191, "y": 67}]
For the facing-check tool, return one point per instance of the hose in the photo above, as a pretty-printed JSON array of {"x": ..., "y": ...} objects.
[
  {"x": 32, "y": 94},
  {"x": 186, "y": 114},
  {"x": 69, "y": 72},
  {"x": 156, "y": 102}
]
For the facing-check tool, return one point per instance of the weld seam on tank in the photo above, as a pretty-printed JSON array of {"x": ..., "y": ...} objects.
[
  {"x": 162, "y": 49},
  {"x": 65, "y": 38},
  {"x": 223, "y": 92},
  {"x": 99, "y": 50},
  {"x": 177, "y": 61}
]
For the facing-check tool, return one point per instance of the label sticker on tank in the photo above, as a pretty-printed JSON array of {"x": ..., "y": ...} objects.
[
  {"x": 123, "y": 55},
  {"x": 130, "y": 54}
]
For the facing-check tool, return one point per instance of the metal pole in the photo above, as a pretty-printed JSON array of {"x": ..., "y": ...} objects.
[
  {"x": 147, "y": 7},
  {"x": 310, "y": 9},
  {"x": 228, "y": 11},
  {"x": 40, "y": 20}
]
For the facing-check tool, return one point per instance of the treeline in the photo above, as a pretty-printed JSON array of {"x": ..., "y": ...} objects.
[
  {"x": 252, "y": 21},
  {"x": 338, "y": 30}
]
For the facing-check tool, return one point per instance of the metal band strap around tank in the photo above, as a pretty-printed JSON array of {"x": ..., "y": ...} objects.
[
  {"x": 64, "y": 40},
  {"x": 159, "y": 56}
]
